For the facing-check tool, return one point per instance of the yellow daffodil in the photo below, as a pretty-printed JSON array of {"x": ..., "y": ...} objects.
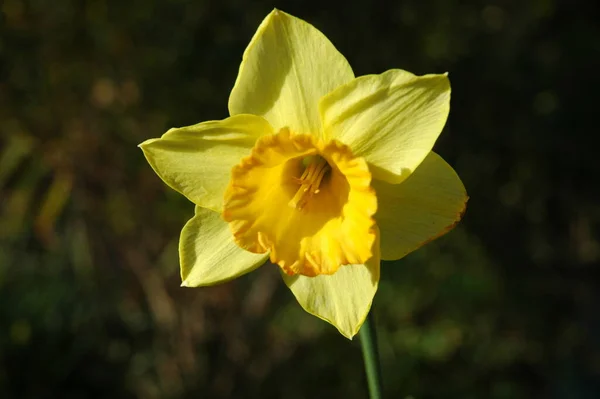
[{"x": 323, "y": 173}]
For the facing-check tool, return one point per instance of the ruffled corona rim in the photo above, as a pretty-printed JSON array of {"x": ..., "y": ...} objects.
[{"x": 307, "y": 202}]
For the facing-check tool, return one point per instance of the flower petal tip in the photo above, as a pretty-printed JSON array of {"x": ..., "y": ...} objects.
[
  {"x": 185, "y": 283},
  {"x": 145, "y": 143},
  {"x": 350, "y": 333}
]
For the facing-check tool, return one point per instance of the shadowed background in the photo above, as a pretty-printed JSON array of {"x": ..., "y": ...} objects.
[{"x": 505, "y": 306}]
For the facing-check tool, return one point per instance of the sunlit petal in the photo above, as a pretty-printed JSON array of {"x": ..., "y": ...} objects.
[
  {"x": 342, "y": 299},
  {"x": 392, "y": 119},
  {"x": 425, "y": 206},
  {"x": 208, "y": 254},
  {"x": 197, "y": 160},
  {"x": 288, "y": 66}
]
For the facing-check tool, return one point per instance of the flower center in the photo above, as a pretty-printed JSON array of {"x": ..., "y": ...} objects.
[
  {"x": 307, "y": 202},
  {"x": 309, "y": 181}
]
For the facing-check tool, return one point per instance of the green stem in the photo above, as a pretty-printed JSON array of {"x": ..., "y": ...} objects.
[{"x": 368, "y": 341}]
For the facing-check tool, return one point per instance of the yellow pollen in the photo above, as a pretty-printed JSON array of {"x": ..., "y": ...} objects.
[{"x": 309, "y": 181}]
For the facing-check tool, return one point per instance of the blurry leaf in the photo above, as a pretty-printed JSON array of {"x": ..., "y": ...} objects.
[
  {"x": 55, "y": 199},
  {"x": 17, "y": 148}
]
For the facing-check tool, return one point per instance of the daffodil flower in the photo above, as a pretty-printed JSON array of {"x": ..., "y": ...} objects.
[{"x": 321, "y": 173}]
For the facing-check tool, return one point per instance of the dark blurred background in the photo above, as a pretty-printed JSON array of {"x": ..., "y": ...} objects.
[{"x": 506, "y": 306}]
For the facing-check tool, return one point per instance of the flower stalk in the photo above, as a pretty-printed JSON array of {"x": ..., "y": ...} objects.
[{"x": 368, "y": 342}]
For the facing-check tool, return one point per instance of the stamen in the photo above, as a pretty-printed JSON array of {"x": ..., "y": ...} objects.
[{"x": 309, "y": 181}]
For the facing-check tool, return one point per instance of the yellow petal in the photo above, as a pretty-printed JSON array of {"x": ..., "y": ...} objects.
[
  {"x": 208, "y": 254},
  {"x": 197, "y": 160},
  {"x": 342, "y": 299},
  {"x": 307, "y": 202},
  {"x": 392, "y": 119},
  {"x": 425, "y": 206},
  {"x": 288, "y": 66}
]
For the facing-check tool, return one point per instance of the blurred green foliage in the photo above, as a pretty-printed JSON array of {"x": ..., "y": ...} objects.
[{"x": 506, "y": 306}]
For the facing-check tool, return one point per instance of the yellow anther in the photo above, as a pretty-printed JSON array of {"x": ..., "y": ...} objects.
[{"x": 310, "y": 181}]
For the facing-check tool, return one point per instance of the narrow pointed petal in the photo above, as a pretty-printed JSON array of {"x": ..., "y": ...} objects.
[
  {"x": 208, "y": 254},
  {"x": 342, "y": 299},
  {"x": 392, "y": 119},
  {"x": 425, "y": 206},
  {"x": 197, "y": 160},
  {"x": 288, "y": 66}
]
